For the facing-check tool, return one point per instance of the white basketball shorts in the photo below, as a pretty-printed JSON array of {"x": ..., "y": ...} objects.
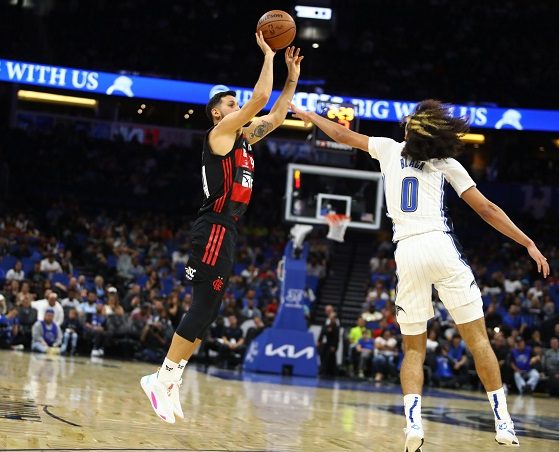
[{"x": 428, "y": 259}]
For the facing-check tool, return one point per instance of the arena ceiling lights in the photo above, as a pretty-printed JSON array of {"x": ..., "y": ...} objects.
[
  {"x": 36, "y": 96},
  {"x": 313, "y": 12}
]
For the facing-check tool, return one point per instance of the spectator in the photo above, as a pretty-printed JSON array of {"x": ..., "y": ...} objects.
[
  {"x": 71, "y": 301},
  {"x": 156, "y": 336},
  {"x": 88, "y": 307},
  {"x": 175, "y": 309},
  {"x": 124, "y": 266},
  {"x": 354, "y": 335},
  {"x": 502, "y": 352},
  {"x": 16, "y": 273},
  {"x": 232, "y": 347},
  {"x": 443, "y": 374},
  {"x": 551, "y": 366},
  {"x": 9, "y": 328},
  {"x": 27, "y": 316},
  {"x": 328, "y": 343},
  {"x": 94, "y": 330},
  {"x": 180, "y": 256},
  {"x": 99, "y": 287},
  {"x": 118, "y": 333},
  {"x": 457, "y": 353},
  {"x": 71, "y": 330},
  {"x": 51, "y": 302},
  {"x": 386, "y": 351},
  {"x": 49, "y": 265},
  {"x": 254, "y": 331},
  {"x": 271, "y": 310},
  {"x": 250, "y": 310},
  {"x": 46, "y": 334},
  {"x": 364, "y": 350},
  {"x": 525, "y": 376},
  {"x": 133, "y": 298},
  {"x": 250, "y": 274}
]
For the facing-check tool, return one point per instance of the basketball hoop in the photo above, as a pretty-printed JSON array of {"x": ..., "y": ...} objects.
[{"x": 337, "y": 224}]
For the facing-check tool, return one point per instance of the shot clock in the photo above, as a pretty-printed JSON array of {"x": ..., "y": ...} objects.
[{"x": 345, "y": 115}]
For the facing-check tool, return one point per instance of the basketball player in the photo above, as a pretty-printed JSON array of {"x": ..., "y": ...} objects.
[
  {"x": 427, "y": 252},
  {"x": 227, "y": 173}
]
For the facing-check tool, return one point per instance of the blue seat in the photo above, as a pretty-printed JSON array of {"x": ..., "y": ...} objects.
[
  {"x": 238, "y": 268},
  {"x": 167, "y": 286},
  {"x": 179, "y": 271},
  {"x": 142, "y": 280},
  {"x": 27, "y": 265},
  {"x": 111, "y": 261},
  {"x": 61, "y": 278},
  {"x": 8, "y": 262}
]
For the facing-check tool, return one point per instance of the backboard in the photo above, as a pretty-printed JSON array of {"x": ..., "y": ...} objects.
[{"x": 314, "y": 191}]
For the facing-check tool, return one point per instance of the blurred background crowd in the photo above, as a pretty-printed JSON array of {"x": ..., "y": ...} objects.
[{"x": 94, "y": 233}]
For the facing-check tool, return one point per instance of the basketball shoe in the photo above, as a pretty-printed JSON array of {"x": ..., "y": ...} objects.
[
  {"x": 505, "y": 434},
  {"x": 158, "y": 395},
  {"x": 174, "y": 397},
  {"x": 414, "y": 438}
]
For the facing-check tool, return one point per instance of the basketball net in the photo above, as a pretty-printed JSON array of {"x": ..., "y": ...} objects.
[{"x": 337, "y": 224}]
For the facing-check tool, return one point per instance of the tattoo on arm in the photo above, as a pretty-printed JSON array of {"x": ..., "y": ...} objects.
[{"x": 263, "y": 128}]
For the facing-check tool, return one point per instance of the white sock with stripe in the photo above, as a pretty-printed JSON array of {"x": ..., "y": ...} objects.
[
  {"x": 170, "y": 372},
  {"x": 498, "y": 402},
  {"x": 412, "y": 408}
]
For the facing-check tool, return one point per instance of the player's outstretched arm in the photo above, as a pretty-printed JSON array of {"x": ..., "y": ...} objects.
[
  {"x": 260, "y": 127},
  {"x": 497, "y": 218},
  {"x": 335, "y": 131},
  {"x": 260, "y": 95}
]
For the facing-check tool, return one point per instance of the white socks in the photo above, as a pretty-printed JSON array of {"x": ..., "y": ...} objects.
[
  {"x": 412, "y": 408},
  {"x": 498, "y": 402},
  {"x": 171, "y": 372}
]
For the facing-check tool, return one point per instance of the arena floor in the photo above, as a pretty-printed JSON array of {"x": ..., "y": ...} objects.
[{"x": 54, "y": 403}]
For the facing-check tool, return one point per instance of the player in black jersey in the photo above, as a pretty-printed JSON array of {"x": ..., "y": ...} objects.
[{"x": 227, "y": 174}]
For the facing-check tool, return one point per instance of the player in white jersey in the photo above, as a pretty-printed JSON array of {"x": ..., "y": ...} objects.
[{"x": 427, "y": 253}]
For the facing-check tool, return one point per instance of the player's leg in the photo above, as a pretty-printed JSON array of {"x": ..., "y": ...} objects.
[
  {"x": 461, "y": 296},
  {"x": 411, "y": 378},
  {"x": 471, "y": 325},
  {"x": 413, "y": 309}
]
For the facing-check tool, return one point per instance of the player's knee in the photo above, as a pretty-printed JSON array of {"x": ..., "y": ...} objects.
[{"x": 193, "y": 323}]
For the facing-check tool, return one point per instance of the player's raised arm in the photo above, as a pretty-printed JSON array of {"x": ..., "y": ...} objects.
[
  {"x": 262, "y": 126},
  {"x": 335, "y": 131},
  {"x": 260, "y": 95},
  {"x": 497, "y": 218}
]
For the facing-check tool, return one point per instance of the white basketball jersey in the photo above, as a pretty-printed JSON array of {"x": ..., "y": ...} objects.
[{"x": 414, "y": 190}]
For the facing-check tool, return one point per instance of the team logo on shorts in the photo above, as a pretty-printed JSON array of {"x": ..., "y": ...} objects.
[
  {"x": 398, "y": 309},
  {"x": 218, "y": 284},
  {"x": 190, "y": 272}
]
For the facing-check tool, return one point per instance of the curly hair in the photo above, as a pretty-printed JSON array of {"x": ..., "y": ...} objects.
[{"x": 432, "y": 132}]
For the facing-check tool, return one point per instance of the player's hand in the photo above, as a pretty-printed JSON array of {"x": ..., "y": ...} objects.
[
  {"x": 264, "y": 45},
  {"x": 300, "y": 114},
  {"x": 541, "y": 261},
  {"x": 293, "y": 61}
]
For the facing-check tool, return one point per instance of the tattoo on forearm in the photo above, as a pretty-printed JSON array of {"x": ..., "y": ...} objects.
[{"x": 261, "y": 129}]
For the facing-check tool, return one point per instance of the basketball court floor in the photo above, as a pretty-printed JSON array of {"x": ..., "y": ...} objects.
[{"x": 55, "y": 403}]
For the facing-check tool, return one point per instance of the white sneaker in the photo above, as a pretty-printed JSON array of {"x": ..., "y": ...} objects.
[
  {"x": 95, "y": 353},
  {"x": 156, "y": 392},
  {"x": 505, "y": 434},
  {"x": 174, "y": 396},
  {"x": 414, "y": 438}
]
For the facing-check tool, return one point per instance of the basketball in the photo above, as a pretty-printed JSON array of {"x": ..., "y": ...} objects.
[{"x": 278, "y": 29}]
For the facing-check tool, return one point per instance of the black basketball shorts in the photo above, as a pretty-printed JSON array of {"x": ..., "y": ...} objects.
[{"x": 213, "y": 253}]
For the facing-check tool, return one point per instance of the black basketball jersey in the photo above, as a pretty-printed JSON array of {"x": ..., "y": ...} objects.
[{"x": 227, "y": 180}]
